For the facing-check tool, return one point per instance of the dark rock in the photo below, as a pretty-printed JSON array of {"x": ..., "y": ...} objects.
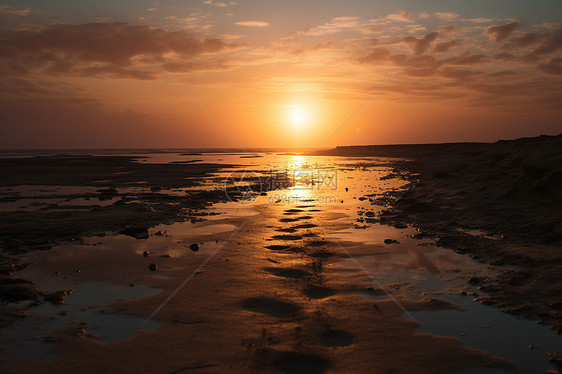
[
  {"x": 390, "y": 241},
  {"x": 474, "y": 280},
  {"x": 194, "y": 247},
  {"x": 375, "y": 291},
  {"x": 108, "y": 191},
  {"x": 152, "y": 267},
  {"x": 14, "y": 292},
  {"x": 145, "y": 253},
  {"x": 57, "y": 297},
  {"x": 135, "y": 232}
]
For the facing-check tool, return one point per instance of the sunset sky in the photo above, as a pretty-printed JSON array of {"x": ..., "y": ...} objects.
[{"x": 85, "y": 74}]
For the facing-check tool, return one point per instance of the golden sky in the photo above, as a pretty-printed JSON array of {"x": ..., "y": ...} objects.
[{"x": 79, "y": 74}]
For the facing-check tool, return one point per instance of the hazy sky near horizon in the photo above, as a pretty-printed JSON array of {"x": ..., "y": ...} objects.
[{"x": 84, "y": 74}]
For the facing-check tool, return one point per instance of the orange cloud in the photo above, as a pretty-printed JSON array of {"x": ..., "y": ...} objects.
[
  {"x": 402, "y": 16},
  {"x": 252, "y": 23},
  {"x": 100, "y": 48},
  {"x": 500, "y": 32}
]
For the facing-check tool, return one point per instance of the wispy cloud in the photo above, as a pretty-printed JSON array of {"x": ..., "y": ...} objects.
[
  {"x": 6, "y": 9},
  {"x": 447, "y": 16},
  {"x": 478, "y": 20},
  {"x": 219, "y": 3},
  {"x": 336, "y": 25},
  {"x": 252, "y": 23},
  {"x": 402, "y": 16}
]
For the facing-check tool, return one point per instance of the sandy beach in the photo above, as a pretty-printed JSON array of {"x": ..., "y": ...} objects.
[{"x": 319, "y": 266}]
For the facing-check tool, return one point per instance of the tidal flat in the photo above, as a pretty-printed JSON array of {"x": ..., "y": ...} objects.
[{"x": 284, "y": 263}]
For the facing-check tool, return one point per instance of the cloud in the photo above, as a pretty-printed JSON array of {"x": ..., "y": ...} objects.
[
  {"x": 402, "y": 16},
  {"x": 500, "y": 32},
  {"x": 478, "y": 20},
  {"x": 465, "y": 59},
  {"x": 376, "y": 55},
  {"x": 550, "y": 42},
  {"x": 553, "y": 67},
  {"x": 335, "y": 25},
  {"x": 8, "y": 10},
  {"x": 543, "y": 43},
  {"x": 252, "y": 23},
  {"x": 99, "y": 49},
  {"x": 419, "y": 45},
  {"x": 220, "y": 3},
  {"x": 460, "y": 74},
  {"x": 447, "y": 16},
  {"x": 445, "y": 46}
]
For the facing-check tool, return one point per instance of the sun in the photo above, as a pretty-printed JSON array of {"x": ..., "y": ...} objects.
[{"x": 298, "y": 116}]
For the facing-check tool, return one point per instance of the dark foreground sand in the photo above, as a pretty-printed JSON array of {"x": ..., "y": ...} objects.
[
  {"x": 511, "y": 191},
  {"x": 258, "y": 308}
]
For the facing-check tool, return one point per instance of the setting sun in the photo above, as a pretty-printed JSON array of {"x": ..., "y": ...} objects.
[{"x": 298, "y": 116}]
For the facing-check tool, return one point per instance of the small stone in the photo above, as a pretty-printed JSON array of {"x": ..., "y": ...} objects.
[
  {"x": 145, "y": 253},
  {"x": 390, "y": 241},
  {"x": 194, "y": 247},
  {"x": 152, "y": 267},
  {"x": 474, "y": 280}
]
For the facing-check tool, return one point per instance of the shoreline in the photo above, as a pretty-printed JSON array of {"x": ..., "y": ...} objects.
[{"x": 508, "y": 194}]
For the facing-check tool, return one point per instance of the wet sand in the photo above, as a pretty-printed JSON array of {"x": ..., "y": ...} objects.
[
  {"x": 259, "y": 309},
  {"x": 275, "y": 286},
  {"x": 500, "y": 202}
]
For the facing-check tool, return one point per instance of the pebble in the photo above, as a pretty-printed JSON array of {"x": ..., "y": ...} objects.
[
  {"x": 152, "y": 267},
  {"x": 194, "y": 247}
]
